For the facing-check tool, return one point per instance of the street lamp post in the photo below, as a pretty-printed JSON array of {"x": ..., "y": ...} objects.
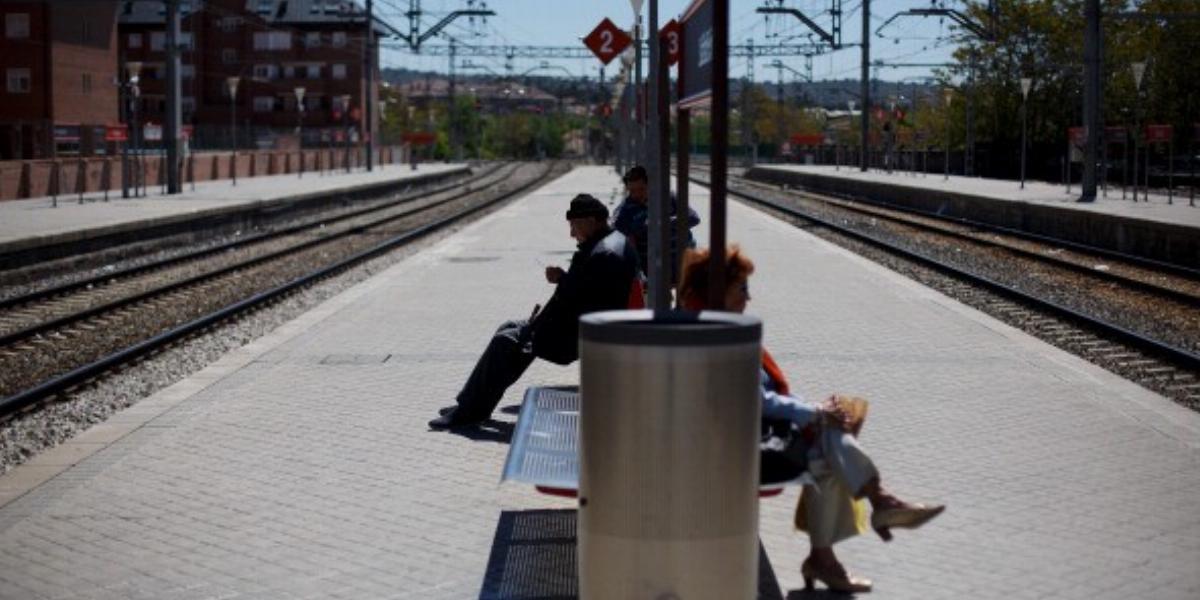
[
  {"x": 346, "y": 115},
  {"x": 948, "y": 95},
  {"x": 1026, "y": 83},
  {"x": 232, "y": 84},
  {"x": 139, "y": 172},
  {"x": 1139, "y": 71},
  {"x": 299, "y": 91},
  {"x": 133, "y": 68}
]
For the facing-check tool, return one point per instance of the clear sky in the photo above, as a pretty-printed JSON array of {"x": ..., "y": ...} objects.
[{"x": 565, "y": 22}]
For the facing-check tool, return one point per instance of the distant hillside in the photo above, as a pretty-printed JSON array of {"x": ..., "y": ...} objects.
[{"x": 831, "y": 94}]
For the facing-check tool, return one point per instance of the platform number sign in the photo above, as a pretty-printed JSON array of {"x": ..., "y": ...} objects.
[
  {"x": 607, "y": 41},
  {"x": 672, "y": 34}
]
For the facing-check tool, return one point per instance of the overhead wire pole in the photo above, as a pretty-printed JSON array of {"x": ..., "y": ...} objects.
[
  {"x": 369, "y": 92},
  {"x": 1091, "y": 99},
  {"x": 639, "y": 139},
  {"x": 865, "y": 86},
  {"x": 659, "y": 169},
  {"x": 171, "y": 131},
  {"x": 982, "y": 31}
]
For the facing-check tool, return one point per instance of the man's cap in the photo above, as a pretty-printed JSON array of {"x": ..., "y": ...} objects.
[
  {"x": 585, "y": 205},
  {"x": 636, "y": 173}
]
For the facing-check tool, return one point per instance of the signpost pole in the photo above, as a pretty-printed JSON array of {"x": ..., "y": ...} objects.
[{"x": 720, "y": 152}]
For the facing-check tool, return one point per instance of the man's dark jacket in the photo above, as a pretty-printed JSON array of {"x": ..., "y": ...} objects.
[
  {"x": 633, "y": 218},
  {"x": 600, "y": 276}
]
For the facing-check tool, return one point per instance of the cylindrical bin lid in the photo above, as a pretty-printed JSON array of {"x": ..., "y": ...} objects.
[{"x": 668, "y": 449}]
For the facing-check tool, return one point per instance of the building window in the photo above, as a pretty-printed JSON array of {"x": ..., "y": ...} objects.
[
  {"x": 228, "y": 56},
  {"x": 272, "y": 40},
  {"x": 18, "y": 81},
  {"x": 312, "y": 39},
  {"x": 187, "y": 71},
  {"x": 158, "y": 40},
  {"x": 339, "y": 39},
  {"x": 339, "y": 71},
  {"x": 187, "y": 104},
  {"x": 262, "y": 7},
  {"x": 87, "y": 83},
  {"x": 266, "y": 71},
  {"x": 16, "y": 26},
  {"x": 314, "y": 71},
  {"x": 135, "y": 40},
  {"x": 264, "y": 103},
  {"x": 229, "y": 24},
  {"x": 185, "y": 40}
]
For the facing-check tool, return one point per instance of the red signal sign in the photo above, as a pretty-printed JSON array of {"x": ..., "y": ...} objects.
[
  {"x": 672, "y": 34},
  {"x": 116, "y": 133},
  {"x": 606, "y": 41}
]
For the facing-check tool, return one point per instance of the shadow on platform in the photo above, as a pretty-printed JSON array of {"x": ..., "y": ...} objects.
[
  {"x": 533, "y": 558},
  {"x": 490, "y": 430}
]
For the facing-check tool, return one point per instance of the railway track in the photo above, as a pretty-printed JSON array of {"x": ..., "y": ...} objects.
[
  {"x": 55, "y": 340},
  {"x": 1134, "y": 317}
]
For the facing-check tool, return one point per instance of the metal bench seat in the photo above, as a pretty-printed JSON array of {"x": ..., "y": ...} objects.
[{"x": 545, "y": 444}]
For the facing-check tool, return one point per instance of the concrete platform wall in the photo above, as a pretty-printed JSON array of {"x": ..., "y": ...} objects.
[{"x": 1164, "y": 242}]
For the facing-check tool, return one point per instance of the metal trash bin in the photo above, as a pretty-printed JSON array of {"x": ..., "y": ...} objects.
[{"x": 668, "y": 474}]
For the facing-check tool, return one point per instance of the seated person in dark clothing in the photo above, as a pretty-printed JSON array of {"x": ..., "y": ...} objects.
[
  {"x": 632, "y": 218},
  {"x": 600, "y": 277}
]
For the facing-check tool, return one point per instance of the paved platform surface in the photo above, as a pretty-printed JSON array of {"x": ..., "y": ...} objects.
[
  {"x": 1035, "y": 192},
  {"x": 300, "y": 466},
  {"x": 38, "y": 218}
]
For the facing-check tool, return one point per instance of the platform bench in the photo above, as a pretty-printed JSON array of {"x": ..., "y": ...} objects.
[{"x": 545, "y": 444}]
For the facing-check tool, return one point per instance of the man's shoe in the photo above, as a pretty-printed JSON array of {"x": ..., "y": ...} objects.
[{"x": 451, "y": 419}]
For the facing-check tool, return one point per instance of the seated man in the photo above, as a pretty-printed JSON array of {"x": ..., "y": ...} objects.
[
  {"x": 632, "y": 218},
  {"x": 601, "y": 274}
]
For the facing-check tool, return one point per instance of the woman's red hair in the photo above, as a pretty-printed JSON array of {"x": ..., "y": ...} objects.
[{"x": 693, "y": 285}]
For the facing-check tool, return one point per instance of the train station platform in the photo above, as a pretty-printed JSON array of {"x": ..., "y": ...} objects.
[
  {"x": 43, "y": 227},
  {"x": 1160, "y": 229},
  {"x": 301, "y": 466}
]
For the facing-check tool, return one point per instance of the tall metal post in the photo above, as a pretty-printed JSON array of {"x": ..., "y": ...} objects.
[
  {"x": 123, "y": 89},
  {"x": 1091, "y": 98},
  {"x": 865, "y": 85},
  {"x": 683, "y": 126},
  {"x": 638, "y": 132},
  {"x": 659, "y": 170},
  {"x": 1026, "y": 83},
  {"x": 232, "y": 84},
  {"x": 452, "y": 111},
  {"x": 1139, "y": 71},
  {"x": 719, "y": 153},
  {"x": 369, "y": 89},
  {"x": 171, "y": 130},
  {"x": 969, "y": 146}
]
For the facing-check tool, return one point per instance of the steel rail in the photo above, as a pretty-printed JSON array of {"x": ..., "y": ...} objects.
[
  {"x": 1179, "y": 356},
  {"x": 43, "y": 294},
  {"x": 873, "y": 207},
  {"x": 60, "y": 383},
  {"x": 11, "y": 338},
  {"x": 1148, "y": 263}
]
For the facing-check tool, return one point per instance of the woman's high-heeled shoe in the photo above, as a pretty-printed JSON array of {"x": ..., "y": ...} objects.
[
  {"x": 908, "y": 517},
  {"x": 841, "y": 581}
]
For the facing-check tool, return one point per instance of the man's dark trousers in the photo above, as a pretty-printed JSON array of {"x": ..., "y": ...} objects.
[{"x": 505, "y": 359}]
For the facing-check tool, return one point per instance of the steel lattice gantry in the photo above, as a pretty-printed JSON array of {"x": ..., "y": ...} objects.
[{"x": 544, "y": 52}]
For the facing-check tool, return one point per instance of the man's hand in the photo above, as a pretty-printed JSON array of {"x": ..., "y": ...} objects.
[{"x": 554, "y": 274}]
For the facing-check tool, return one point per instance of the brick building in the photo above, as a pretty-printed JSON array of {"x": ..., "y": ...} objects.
[
  {"x": 59, "y": 61},
  {"x": 273, "y": 47}
]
